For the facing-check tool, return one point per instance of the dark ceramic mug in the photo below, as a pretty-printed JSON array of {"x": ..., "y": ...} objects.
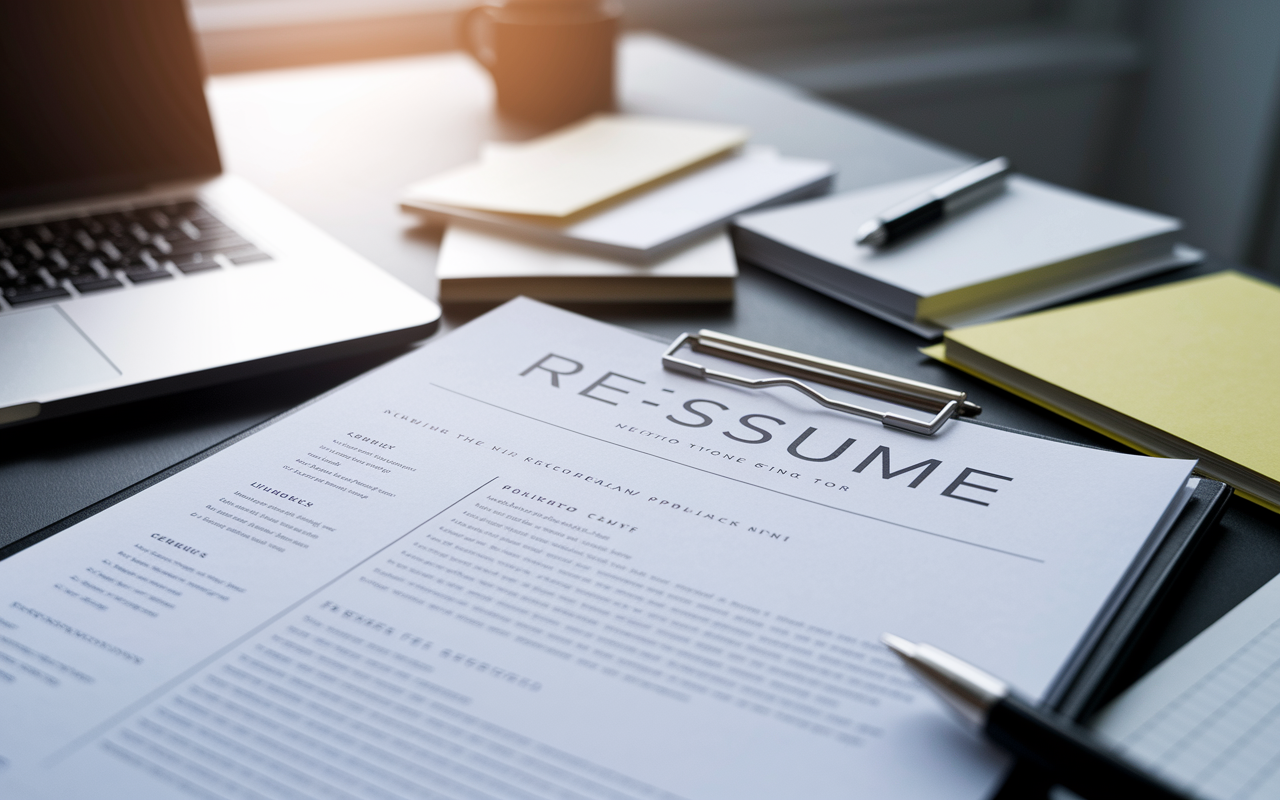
[{"x": 551, "y": 60}]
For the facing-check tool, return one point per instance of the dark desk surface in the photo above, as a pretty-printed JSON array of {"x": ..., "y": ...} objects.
[{"x": 338, "y": 142}]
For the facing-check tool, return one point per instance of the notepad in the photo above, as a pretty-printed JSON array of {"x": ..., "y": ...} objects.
[
  {"x": 652, "y": 224},
  {"x": 581, "y": 166},
  {"x": 1188, "y": 370},
  {"x": 1034, "y": 245},
  {"x": 1208, "y": 717},
  {"x": 480, "y": 267}
]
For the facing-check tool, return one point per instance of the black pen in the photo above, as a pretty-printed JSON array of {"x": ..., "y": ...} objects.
[
  {"x": 1070, "y": 755},
  {"x": 969, "y": 188}
]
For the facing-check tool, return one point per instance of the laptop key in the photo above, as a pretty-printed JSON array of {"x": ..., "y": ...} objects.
[
  {"x": 74, "y": 271},
  {"x": 207, "y": 246},
  {"x": 30, "y": 294},
  {"x": 18, "y": 279},
  {"x": 215, "y": 240},
  {"x": 109, "y": 249},
  {"x": 23, "y": 262},
  {"x": 142, "y": 274},
  {"x": 94, "y": 283},
  {"x": 192, "y": 267},
  {"x": 77, "y": 257},
  {"x": 195, "y": 257}
]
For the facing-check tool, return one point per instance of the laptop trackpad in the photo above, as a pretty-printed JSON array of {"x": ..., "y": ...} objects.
[{"x": 42, "y": 352}]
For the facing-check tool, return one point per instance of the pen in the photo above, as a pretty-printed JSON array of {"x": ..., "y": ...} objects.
[
  {"x": 969, "y": 188},
  {"x": 1069, "y": 754}
]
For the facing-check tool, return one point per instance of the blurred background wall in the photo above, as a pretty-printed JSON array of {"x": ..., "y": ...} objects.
[{"x": 1172, "y": 105}]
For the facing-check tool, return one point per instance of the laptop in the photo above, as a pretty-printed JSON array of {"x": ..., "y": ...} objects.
[{"x": 129, "y": 264}]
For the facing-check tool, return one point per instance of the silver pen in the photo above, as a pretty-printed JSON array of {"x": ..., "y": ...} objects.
[
  {"x": 974, "y": 185},
  {"x": 1070, "y": 755}
]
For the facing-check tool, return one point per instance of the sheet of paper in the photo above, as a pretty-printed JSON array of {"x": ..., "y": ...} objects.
[
  {"x": 672, "y": 212},
  {"x": 469, "y": 253},
  {"x": 526, "y": 562},
  {"x": 582, "y": 165},
  {"x": 1208, "y": 717}
]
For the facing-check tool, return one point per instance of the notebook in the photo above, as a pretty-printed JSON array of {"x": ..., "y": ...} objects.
[
  {"x": 1185, "y": 370},
  {"x": 582, "y": 165},
  {"x": 646, "y": 226},
  {"x": 1034, "y": 245},
  {"x": 476, "y": 266}
]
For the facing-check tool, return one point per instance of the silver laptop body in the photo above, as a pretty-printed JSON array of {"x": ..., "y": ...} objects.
[{"x": 139, "y": 269}]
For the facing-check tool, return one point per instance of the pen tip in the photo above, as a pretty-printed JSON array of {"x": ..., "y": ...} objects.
[
  {"x": 872, "y": 234},
  {"x": 898, "y": 645}
]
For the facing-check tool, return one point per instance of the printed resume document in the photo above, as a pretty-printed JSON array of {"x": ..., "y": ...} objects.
[{"x": 526, "y": 562}]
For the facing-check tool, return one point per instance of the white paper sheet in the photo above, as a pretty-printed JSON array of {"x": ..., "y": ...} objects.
[
  {"x": 1208, "y": 717},
  {"x": 524, "y": 561},
  {"x": 667, "y": 216},
  {"x": 581, "y": 165}
]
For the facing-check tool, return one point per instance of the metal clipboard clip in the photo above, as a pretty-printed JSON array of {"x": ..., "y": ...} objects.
[{"x": 945, "y": 403}]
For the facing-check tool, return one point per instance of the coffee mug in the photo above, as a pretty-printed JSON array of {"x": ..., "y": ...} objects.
[{"x": 551, "y": 60}]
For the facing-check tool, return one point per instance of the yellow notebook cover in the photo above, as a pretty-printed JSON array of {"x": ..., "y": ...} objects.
[{"x": 1198, "y": 359}]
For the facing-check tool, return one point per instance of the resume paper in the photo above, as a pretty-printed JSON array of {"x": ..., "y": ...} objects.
[{"x": 526, "y": 562}]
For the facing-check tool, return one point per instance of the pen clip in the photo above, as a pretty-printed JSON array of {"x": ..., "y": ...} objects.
[{"x": 945, "y": 403}]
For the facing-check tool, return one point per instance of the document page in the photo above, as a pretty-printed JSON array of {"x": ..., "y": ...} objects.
[{"x": 526, "y": 562}]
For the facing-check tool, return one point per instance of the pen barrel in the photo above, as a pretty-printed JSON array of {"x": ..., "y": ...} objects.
[
  {"x": 903, "y": 224},
  {"x": 974, "y": 194},
  {"x": 1070, "y": 756}
]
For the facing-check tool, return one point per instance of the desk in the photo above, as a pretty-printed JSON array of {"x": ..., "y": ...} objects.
[{"x": 338, "y": 142}]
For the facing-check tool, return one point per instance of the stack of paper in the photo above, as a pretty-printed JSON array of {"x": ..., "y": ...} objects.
[
  {"x": 637, "y": 198},
  {"x": 478, "y": 267},
  {"x": 1032, "y": 246},
  {"x": 1187, "y": 370}
]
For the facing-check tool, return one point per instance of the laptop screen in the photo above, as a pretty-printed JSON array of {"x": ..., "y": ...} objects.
[{"x": 99, "y": 96}]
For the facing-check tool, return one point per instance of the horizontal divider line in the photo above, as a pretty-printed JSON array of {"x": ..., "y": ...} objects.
[{"x": 747, "y": 483}]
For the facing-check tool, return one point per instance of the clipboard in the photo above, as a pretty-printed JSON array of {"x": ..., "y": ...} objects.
[
  {"x": 946, "y": 404},
  {"x": 1085, "y": 682},
  {"x": 1097, "y": 671},
  {"x": 1103, "y": 667}
]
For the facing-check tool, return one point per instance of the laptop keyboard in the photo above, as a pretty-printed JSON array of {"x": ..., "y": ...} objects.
[{"x": 63, "y": 258}]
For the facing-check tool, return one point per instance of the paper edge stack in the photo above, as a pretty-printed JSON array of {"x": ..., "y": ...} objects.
[{"x": 616, "y": 241}]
